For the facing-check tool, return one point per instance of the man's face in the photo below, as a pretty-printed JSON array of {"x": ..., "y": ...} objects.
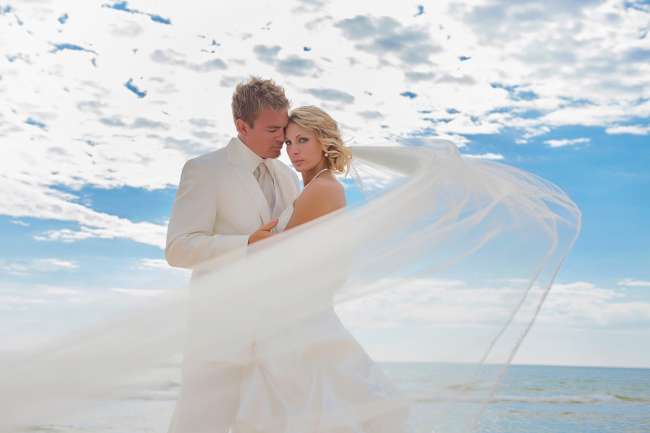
[{"x": 266, "y": 137}]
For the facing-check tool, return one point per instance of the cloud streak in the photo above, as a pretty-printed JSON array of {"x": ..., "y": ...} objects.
[
  {"x": 567, "y": 142},
  {"x": 576, "y": 305},
  {"x": 384, "y": 36},
  {"x": 29, "y": 267}
]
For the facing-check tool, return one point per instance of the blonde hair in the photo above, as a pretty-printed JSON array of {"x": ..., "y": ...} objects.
[
  {"x": 251, "y": 97},
  {"x": 337, "y": 154}
]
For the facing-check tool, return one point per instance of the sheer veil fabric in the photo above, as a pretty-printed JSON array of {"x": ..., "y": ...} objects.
[{"x": 447, "y": 262}]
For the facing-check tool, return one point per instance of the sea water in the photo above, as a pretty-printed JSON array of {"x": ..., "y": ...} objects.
[{"x": 530, "y": 399}]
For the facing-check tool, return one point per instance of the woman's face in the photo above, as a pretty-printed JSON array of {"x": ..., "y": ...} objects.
[{"x": 303, "y": 147}]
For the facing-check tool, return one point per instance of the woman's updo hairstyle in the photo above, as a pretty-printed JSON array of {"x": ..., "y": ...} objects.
[{"x": 337, "y": 154}]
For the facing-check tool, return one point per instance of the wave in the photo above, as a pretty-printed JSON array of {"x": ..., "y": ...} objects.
[{"x": 548, "y": 399}]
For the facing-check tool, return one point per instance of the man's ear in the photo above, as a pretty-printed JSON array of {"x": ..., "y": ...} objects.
[{"x": 242, "y": 127}]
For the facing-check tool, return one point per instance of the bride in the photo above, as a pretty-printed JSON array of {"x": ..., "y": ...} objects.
[{"x": 322, "y": 384}]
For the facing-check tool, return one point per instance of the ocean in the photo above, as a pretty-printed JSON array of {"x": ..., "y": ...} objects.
[
  {"x": 544, "y": 399},
  {"x": 531, "y": 399}
]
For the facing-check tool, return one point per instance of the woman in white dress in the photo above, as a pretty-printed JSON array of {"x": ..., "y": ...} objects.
[{"x": 326, "y": 383}]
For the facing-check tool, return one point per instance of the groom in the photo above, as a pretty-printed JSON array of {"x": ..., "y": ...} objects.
[{"x": 228, "y": 199}]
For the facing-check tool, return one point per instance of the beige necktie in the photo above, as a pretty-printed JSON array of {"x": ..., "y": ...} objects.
[{"x": 265, "y": 180}]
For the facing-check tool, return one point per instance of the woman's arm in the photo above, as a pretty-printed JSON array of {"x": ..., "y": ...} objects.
[{"x": 322, "y": 197}]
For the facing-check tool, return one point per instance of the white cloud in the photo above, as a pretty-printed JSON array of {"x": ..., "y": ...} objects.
[
  {"x": 578, "y": 304},
  {"x": 19, "y": 223},
  {"x": 629, "y": 129},
  {"x": 24, "y": 295},
  {"x": 433, "y": 302},
  {"x": 32, "y": 314},
  {"x": 62, "y": 291},
  {"x": 55, "y": 297},
  {"x": 153, "y": 264},
  {"x": 19, "y": 301},
  {"x": 489, "y": 155},
  {"x": 160, "y": 265},
  {"x": 58, "y": 263},
  {"x": 567, "y": 142},
  {"x": 140, "y": 293},
  {"x": 114, "y": 228},
  {"x": 583, "y": 304},
  {"x": 629, "y": 282},
  {"x": 28, "y": 267},
  {"x": 473, "y": 68}
]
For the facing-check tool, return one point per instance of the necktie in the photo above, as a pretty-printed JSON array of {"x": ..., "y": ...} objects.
[{"x": 265, "y": 180}]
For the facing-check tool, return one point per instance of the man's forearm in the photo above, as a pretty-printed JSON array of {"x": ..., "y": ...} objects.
[{"x": 189, "y": 250}]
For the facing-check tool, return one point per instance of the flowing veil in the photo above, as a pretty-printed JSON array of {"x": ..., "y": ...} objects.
[{"x": 445, "y": 260}]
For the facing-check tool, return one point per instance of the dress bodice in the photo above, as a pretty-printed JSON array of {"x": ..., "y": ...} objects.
[
  {"x": 286, "y": 214},
  {"x": 283, "y": 219}
]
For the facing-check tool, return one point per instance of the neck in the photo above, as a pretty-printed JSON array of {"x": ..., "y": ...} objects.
[
  {"x": 243, "y": 140},
  {"x": 308, "y": 175}
]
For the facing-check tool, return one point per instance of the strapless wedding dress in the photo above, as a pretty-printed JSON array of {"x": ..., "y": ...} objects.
[
  {"x": 329, "y": 385},
  {"x": 283, "y": 219}
]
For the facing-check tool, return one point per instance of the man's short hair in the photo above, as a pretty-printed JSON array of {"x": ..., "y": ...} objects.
[{"x": 253, "y": 96}]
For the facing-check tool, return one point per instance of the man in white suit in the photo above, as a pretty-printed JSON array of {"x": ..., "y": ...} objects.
[{"x": 226, "y": 200}]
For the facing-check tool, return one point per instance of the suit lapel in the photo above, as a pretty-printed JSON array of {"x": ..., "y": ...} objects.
[
  {"x": 252, "y": 188},
  {"x": 283, "y": 195},
  {"x": 249, "y": 184}
]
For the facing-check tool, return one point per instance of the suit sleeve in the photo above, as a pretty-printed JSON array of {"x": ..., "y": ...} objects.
[{"x": 190, "y": 240}]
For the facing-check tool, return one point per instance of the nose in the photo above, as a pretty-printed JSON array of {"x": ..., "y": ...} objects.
[{"x": 293, "y": 150}]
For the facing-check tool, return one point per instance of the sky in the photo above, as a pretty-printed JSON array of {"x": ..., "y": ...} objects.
[{"x": 103, "y": 102}]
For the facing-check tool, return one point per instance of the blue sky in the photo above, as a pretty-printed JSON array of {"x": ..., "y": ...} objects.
[
  {"x": 608, "y": 178},
  {"x": 97, "y": 129}
]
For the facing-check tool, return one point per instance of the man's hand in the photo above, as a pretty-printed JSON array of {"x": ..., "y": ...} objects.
[{"x": 263, "y": 232}]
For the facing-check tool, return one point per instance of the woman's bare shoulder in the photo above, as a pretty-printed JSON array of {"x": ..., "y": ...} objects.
[
  {"x": 321, "y": 197},
  {"x": 324, "y": 187},
  {"x": 324, "y": 192}
]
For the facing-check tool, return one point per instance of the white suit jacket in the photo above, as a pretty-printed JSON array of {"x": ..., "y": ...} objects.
[{"x": 219, "y": 203}]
